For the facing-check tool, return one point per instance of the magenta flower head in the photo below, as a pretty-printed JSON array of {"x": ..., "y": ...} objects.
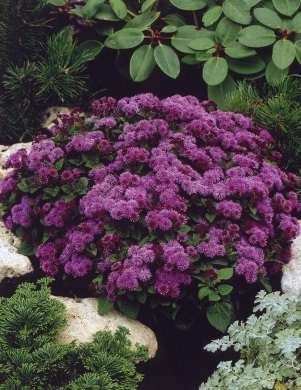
[{"x": 154, "y": 200}]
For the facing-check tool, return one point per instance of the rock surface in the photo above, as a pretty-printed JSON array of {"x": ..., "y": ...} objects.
[
  {"x": 291, "y": 278},
  {"x": 84, "y": 321},
  {"x": 6, "y": 151}
]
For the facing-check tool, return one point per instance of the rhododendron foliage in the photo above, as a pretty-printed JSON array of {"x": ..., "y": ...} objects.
[{"x": 154, "y": 201}]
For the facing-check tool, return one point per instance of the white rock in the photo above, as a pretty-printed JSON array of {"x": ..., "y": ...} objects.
[
  {"x": 51, "y": 114},
  {"x": 12, "y": 264},
  {"x": 291, "y": 278},
  {"x": 84, "y": 322},
  {"x": 6, "y": 151}
]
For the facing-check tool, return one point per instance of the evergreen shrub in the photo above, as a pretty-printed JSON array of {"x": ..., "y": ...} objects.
[
  {"x": 30, "y": 321},
  {"x": 154, "y": 202}
]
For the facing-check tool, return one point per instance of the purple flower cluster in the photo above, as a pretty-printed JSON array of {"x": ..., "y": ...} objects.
[{"x": 147, "y": 192}]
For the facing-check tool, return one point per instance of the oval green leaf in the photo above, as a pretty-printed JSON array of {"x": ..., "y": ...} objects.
[
  {"x": 189, "y": 5},
  {"x": 203, "y": 55},
  {"x": 267, "y": 17},
  {"x": 167, "y": 60},
  {"x": 247, "y": 66},
  {"x": 237, "y": 50},
  {"x": 284, "y": 53},
  {"x": 227, "y": 32},
  {"x": 105, "y": 12},
  {"x": 203, "y": 292},
  {"x": 225, "y": 289},
  {"x": 124, "y": 39},
  {"x": 225, "y": 273},
  {"x": 274, "y": 75},
  {"x": 251, "y": 3},
  {"x": 89, "y": 49},
  {"x": 286, "y": 7},
  {"x": 212, "y": 15},
  {"x": 143, "y": 21},
  {"x": 296, "y": 23},
  {"x": 220, "y": 315},
  {"x": 174, "y": 20},
  {"x": 218, "y": 93},
  {"x": 91, "y": 8},
  {"x": 57, "y": 3},
  {"x": 298, "y": 50},
  {"x": 147, "y": 5},
  {"x": 185, "y": 34},
  {"x": 256, "y": 36},
  {"x": 190, "y": 59},
  {"x": 104, "y": 305},
  {"x": 169, "y": 29},
  {"x": 238, "y": 11},
  {"x": 129, "y": 308},
  {"x": 215, "y": 71},
  {"x": 201, "y": 44},
  {"x": 119, "y": 8},
  {"x": 142, "y": 63}
]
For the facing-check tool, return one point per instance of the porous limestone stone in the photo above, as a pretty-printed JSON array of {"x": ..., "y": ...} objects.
[
  {"x": 12, "y": 264},
  {"x": 291, "y": 278},
  {"x": 84, "y": 321}
]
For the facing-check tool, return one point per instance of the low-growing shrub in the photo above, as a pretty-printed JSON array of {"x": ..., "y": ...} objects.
[
  {"x": 30, "y": 359},
  {"x": 154, "y": 202},
  {"x": 269, "y": 346}
]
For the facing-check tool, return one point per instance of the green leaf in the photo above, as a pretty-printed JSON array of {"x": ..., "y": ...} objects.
[
  {"x": 266, "y": 284},
  {"x": 210, "y": 217},
  {"x": 225, "y": 273},
  {"x": 212, "y": 15},
  {"x": 237, "y": 10},
  {"x": 275, "y": 75},
  {"x": 213, "y": 297},
  {"x": 286, "y": 7},
  {"x": 88, "y": 50},
  {"x": 143, "y": 21},
  {"x": 184, "y": 229},
  {"x": 169, "y": 29},
  {"x": 219, "y": 315},
  {"x": 203, "y": 55},
  {"x": 59, "y": 164},
  {"x": 167, "y": 60},
  {"x": 104, "y": 305},
  {"x": 129, "y": 308},
  {"x": 57, "y": 3},
  {"x": 218, "y": 93},
  {"x": 81, "y": 186},
  {"x": 237, "y": 50},
  {"x": 296, "y": 23},
  {"x": 298, "y": 50},
  {"x": 214, "y": 72},
  {"x": 267, "y": 17},
  {"x": 125, "y": 39},
  {"x": 227, "y": 32},
  {"x": 147, "y": 5},
  {"x": 252, "y": 2},
  {"x": 141, "y": 297},
  {"x": 203, "y": 292},
  {"x": 181, "y": 39},
  {"x": 52, "y": 192},
  {"x": 189, "y": 5},
  {"x": 105, "y": 12},
  {"x": 225, "y": 289},
  {"x": 174, "y": 20},
  {"x": 201, "y": 44},
  {"x": 27, "y": 249},
  {"x": 119, "y": 8},
  {"x": 256, "y": 36},
  {"x": 250, "y": 65},
  {"x": 142, "y": 63},
  {"x": 284, "y": 53},
  {"x": 91, "y": 8}
]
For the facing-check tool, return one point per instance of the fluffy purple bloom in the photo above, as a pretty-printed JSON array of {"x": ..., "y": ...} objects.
[
  {"x": 21, "y": 213},
  {"x": 229, "y": 209}
]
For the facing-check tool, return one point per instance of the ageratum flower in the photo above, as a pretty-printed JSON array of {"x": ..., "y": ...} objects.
[{"x": 150, "y": 194}]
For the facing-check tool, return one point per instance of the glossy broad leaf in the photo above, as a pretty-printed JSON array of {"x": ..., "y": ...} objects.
[
  {"x": 124, "y": 39},
  {"x": 201, "y": 44},
  {"x": 220, "y": 315},
  {"x": 284, "y": 53},
  {"x": 105, "y": 12},
  {"x": 185, "y": 34},
  {"x": 104, "y": 305},
  {"x": 57, "y": 3},
  {"x": 143, "y": 21},
  {"x": 296, "y": 23},
  {"x": 174, "y": 20},
  {"x": 215, "y": 71},
  {"x": 238, "y": 11},
  {"x": 142, "y": 63},
  {"x": 212, "y": 15},
  {"x": 119, "y": 8},
  {"x": 147, "y": 5},
  {"x": 129, "y": 308},
  {"x": 90, "y": 48},
  {"x": 256, "y": 36},
  {"x": 91, "y": 8},
  {"x": 169, "y": 29},
  {"x": 167, "y": 60},
  {"x": 227, "y": 32},
  {"x": 218, "y": 93},
  {"x": 251, "y": 3},
  {"x": 298, "y": 51},
  {"x": 273, "y": 74},
  {"x": 286, "y": 7},
  {"x": 268, "y": 17},
  {"x": 189, "y": 5},
  {"x": 247, "y": 66},
  {"x": 237, "y": 50}
]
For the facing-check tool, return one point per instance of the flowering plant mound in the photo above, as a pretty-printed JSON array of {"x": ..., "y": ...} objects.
[{"x": 154, "y": 202}]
